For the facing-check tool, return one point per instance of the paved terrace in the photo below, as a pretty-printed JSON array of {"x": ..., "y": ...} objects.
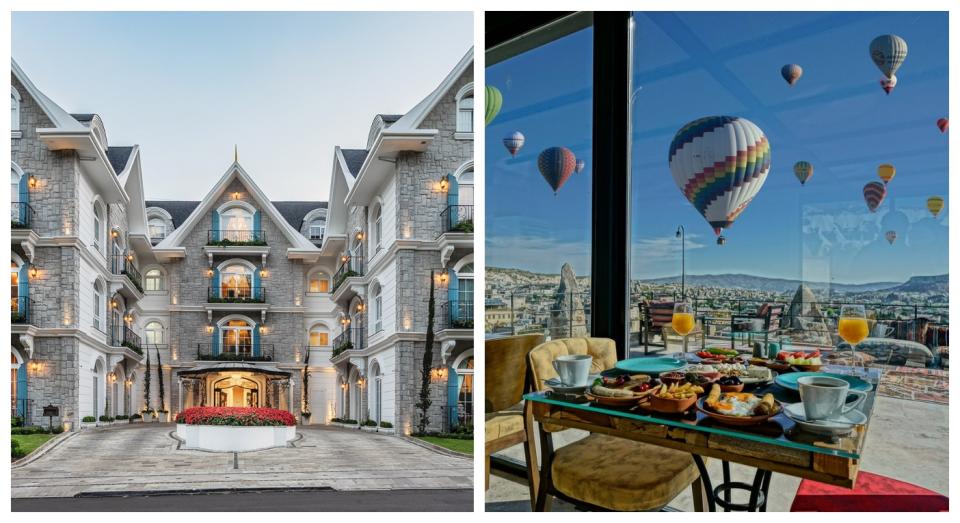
[
  {"x": 907, "y": 440},
  {"x": 144, "y": 457}
]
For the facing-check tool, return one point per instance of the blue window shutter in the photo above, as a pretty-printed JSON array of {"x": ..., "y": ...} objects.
[
  {"x": 215, "y": 225},
  {"x": 24, "y": 197},
  {"x": 256, "y": 226},
  {"x": 215, "y": 342},
  {"x": 22, "y": 390},
  {"x": 23, "y": 288},
  {"x": 453, "y": 198},
  {"x": 453, "y": 294},
  {"x": 452, "y": 396},
  {"x": 215, "y": 282},
  {"x": 255, "y": 291},
  {"x": 256, "y": 339}
]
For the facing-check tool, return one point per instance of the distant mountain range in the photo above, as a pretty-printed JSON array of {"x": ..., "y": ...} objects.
[{"x": 746, "y": 281}]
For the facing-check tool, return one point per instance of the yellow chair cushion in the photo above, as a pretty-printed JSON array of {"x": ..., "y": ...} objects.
[
  {"x": 620, "y": 474},
  {"x": 603, "y": 350},
  {"x": 502, "y": 424}
]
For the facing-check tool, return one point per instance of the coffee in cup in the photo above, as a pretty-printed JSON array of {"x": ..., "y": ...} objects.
[{"x": 825, "y": 397}]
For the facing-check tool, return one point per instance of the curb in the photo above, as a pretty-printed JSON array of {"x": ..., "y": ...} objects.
[
  {"x": 43, "y": 449},
  {"x": 194, "y": 492},
  {"x": 437, "y": 448}
]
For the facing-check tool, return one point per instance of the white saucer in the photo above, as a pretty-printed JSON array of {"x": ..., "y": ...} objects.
[
  {"x": 834, "y": 427},
  {"x": 560, "y": 388}
]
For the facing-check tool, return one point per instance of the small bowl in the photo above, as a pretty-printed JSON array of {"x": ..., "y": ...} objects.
[
  {"x": 670, "y": 406},
  {"x": 673, "y": 377},
  {"x": 731, "y": 388},
  {"x": 779, "y": 366}
]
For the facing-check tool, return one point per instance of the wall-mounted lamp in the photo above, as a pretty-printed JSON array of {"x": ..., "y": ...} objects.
[
  {"x": 114, "y": 233},
  {"x": 209, "y": 329},
  {"x": 114, "y": 304},
  {"x": 33, "y": 272},
  {"x": 35, "y": 366},
  {"x": 209, "y": 273},
  {"x": 263, "y": 273},
  {"x": 344, "y": 258},
  {"x": 344, "y": 321},
  {"x": 32, "y": 182},
  {"x": 360, "y": 382},
  {"x": 361, "y": 307},
  {"x": 360, "y": 235},
  {"x": 443, "y": 276},
  {"x": 263, "y": 329},
  {"x": 112, "y": 376},
  {"x": 445, "y": 183},
  {"x": 343, "y": 386},
  {"x": 130, "y": 257},
  {"x": 128, "y": 318},
  {"x": 128, "y": 382},
  {"x": 236, "y": 196},
  {"x": 437, "y": 374}
]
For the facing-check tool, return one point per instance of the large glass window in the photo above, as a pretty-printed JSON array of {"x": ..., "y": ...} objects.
[
  {"x": 153, "y": 333},
  {"x": 763, "y": 147},
  {"x": 236, "y": 337},
  {"x": 153, "y": 280},
  {"x": 465, "y": 114},
  {"x": 157, "y": 228},
  {"x": 236, "y": 281},
  {"x": 319, "y": 336},
  {"x": 319, "y": 282},
  {"x": 538, "y": 189},
  {"x": 98, "y": 305}
]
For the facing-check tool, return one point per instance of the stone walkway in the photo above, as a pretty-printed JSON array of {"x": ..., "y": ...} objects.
[{"x": 144, "y": 457}]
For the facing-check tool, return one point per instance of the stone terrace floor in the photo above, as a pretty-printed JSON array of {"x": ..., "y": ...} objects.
[{"x": 144, "y": 457}]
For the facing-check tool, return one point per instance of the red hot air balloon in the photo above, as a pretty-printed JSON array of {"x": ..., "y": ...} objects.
[
  {"x": 942, "y": 124},
  {"x": 873, "y": 194},
  {"x": 556, "y": 164}
]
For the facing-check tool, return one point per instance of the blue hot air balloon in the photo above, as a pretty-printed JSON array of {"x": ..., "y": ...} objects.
[
  {"x": 514, "y": 142},
  {"x": 556, "y": 164}
]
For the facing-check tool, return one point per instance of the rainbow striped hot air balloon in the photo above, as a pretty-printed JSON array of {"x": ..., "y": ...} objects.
[
  {"x": 791, "y": 73},
  {"x": 556, "y": 164},
  {"x": 514, "y": 142},
  {"x": 873, "y": 194},
  {"x": 935, "y": 205},
  {"x": 888, "y": 53},
  {"x": 803, "y": 171},
  {"x": 891, "y": 236},
  {"x": 720, "y": 163},
  {"x": 886, "y": 172},
  {"x": 492, "y": 103}
]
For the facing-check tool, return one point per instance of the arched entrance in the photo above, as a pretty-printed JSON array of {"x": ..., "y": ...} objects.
[
  {"x": 236, "y": 391},
  {"x": 236, "y": 384}
]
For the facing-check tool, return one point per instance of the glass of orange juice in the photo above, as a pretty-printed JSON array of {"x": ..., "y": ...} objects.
[
  {"x": 682, "y": 321},
  {"x": 852, "y": 326}
]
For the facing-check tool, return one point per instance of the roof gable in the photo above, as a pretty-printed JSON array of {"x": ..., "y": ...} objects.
[{"x": 415, "y": 116}]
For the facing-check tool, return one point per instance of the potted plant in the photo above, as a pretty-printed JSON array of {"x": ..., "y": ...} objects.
[
  {"x": 88, "y": 421},
  {"x": 305, "y": 417},
  {"x": 104, "y": 420},
  {"x": 163, "y": 416},
  {"x": 136, "y": 418},
  {"x": 148, "y": 415}
]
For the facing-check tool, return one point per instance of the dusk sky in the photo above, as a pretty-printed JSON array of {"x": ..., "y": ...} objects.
[
  {"x": 285, "y": 87},
  {"x": 690, "y": 65}
]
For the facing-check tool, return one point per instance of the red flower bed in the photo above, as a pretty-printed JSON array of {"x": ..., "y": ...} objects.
[{"x": 236, "y": 416}]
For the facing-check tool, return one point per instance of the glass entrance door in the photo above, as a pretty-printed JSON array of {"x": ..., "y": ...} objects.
[{"x": 237, "y": 338}]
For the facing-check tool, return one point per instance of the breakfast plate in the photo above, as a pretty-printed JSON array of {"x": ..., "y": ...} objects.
[
  {"x": 789, "y": 381},
  {"x": 742, "y": 409},
  {"x": 839, "y": 426},
  {"x": 651, "y": 366}
]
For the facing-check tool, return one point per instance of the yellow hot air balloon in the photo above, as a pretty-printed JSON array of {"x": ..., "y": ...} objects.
[
  {"x": 886, "y": 172},
  {"x": 935, "y": 205}
]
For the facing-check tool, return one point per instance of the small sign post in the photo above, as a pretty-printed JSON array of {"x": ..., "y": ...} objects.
[{"x": 50, "y": 411}]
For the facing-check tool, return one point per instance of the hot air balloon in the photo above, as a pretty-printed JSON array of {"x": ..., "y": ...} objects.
[
  {"x": 494, "y": 100},
  {"x": 935, "y": 205},
  {"x": 891, "y": 236},
  {"x": 942, "y": 124},
  {"x": 887, "y": 84},
  {"x": 873, "y": 194},
  {"x": 556, "y": 164},
  {"x": 514, "y": 142},
  {"x": 791, "y": 73},
  {"x": 580, "y": 166},
  {"x": 888, "y": 52},
  {"x": 720, "y": 163},
  {"x": 886, "y": 172},
  {"x": 803, "y": 171}
]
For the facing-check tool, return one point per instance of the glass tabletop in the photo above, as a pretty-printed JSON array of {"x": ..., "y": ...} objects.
[{"x": 779, "y": 430}]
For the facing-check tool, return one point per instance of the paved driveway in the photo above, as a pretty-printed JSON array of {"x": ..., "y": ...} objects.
[{"x": 144, "y": 457}]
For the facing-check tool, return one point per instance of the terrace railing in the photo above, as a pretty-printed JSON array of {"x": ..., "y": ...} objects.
[
  {"x": 455, "y": 315},
  {"x": 21, "y": 311},
  {"x": 231, "y": 237},
  {"x": 236, "y": 294},
  {"x": 125, "y": 337},
  {"x": 457, "y": 218},
  {"x": 351, "y": 267},
  {"x": 21, "y": 215},
  {"x": 352, "y": 338},
  {"x": 122, "y": 265},
  {"x": 557, "y": 315},
  {"x": 243, "y": 352}
]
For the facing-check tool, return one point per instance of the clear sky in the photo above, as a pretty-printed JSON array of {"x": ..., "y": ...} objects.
[
  {"x": 690, "y": 65},
  {"x": 285, "y": 87}
]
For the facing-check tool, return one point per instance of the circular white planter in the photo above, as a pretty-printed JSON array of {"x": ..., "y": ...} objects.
[{"x": 220, "y": 438}]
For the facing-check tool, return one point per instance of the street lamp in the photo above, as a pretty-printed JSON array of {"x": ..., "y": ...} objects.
[{"x": 681, "y": 233}]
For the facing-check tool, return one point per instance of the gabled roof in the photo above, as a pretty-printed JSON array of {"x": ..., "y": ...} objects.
[
  {"x": 118, "y": 157},
  {"x": 236, "y": 172},
  {"x": 354, "y": 159},
  {"x": 294, "y": 212},
  {"x": 390, "y": 118},
  {"x": 179, "y": 210},
  {"x": 83, "y": 117},
  {"x": 415, "y": 116}
]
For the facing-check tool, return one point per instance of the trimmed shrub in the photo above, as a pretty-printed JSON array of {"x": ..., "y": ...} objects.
[
  {"x": 122, "y": 417},
  {"x": 57, "y": 429},
  {"x": 15, "y": 451},
  {"x": 386, "y": 424},
  {"x": 105, "y": 418},
  {"x": 236, "y": 416},
  {"x": 26, "y": 431},
  {"x": 369, "y": 423},
  {"x": 89, "y": 419},
  {"x": 136, "y": 416}
]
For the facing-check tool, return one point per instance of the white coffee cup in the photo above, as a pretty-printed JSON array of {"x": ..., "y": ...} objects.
[
  {"x": 574, "y": 369},
  {"x": 825, "y": 397}
]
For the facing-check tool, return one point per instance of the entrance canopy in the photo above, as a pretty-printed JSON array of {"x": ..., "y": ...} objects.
[{"x": 230, "y": 366}]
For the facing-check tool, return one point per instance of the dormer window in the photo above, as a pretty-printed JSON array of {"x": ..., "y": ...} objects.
[
  {"x": 15, "y": 112},
  {"x": 465, "y": 114},
  {"x": 317, "y": 227},
  {"x": 157, "y": 229}
]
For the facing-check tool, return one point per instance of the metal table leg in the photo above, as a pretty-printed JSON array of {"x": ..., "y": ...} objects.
[{"x": 722, "y": 494}]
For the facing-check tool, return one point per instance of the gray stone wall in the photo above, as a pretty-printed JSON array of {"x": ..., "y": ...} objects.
[
  {"x": 409, "y": 369},
  {"x": 56, "y": 382}
]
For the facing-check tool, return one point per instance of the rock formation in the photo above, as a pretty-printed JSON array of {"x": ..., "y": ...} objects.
[{"x": 567, "y": 317}]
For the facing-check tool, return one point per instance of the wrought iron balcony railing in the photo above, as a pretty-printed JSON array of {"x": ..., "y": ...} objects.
[
  {"x": 225, "y": 294},
  {"x": 21, "y": 310},
  {"x": 121, "y": 264},
  {"x": 455, "y": 315},
  {"x": 125, "y": 337},
  {"x": 457, "y": 218},
  {"x": 21, "y": 215},
  {"x": 243, "y": 351},
  {"x": 351, "y": 266},
  {"x": 352, "y": 338},
  {"x": 229, "y": 237}
]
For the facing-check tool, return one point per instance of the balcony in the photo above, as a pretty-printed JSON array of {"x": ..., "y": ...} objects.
[
  {"x": 243, "y": 352},
  {"x": 457, "y": 218},
  {"x": 236, "y": 294},
  {"x": 456, "y": 315},
  {"x": 352, "y": 338},
  {"x": 228, "y": 238},
  {"x": 21, "y": 215},
  {"x": 122, "y": 265},
  {"x": 351, "y": 267},
  {"x": 126, "y": 338},
  {"x": 21, "y": 310}
]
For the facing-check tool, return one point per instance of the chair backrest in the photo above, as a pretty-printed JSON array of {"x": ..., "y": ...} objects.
[
  {"x": 659, "y": 313},
  {"x": 774, "y": 313},
  {"x": 505, "y": 370},
  {"x": 603, "y": 350}
]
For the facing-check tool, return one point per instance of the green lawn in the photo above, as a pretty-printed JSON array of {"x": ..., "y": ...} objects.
[
  {"x": 458, "y": 445},
  {"x": 30, "y": 442}
]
